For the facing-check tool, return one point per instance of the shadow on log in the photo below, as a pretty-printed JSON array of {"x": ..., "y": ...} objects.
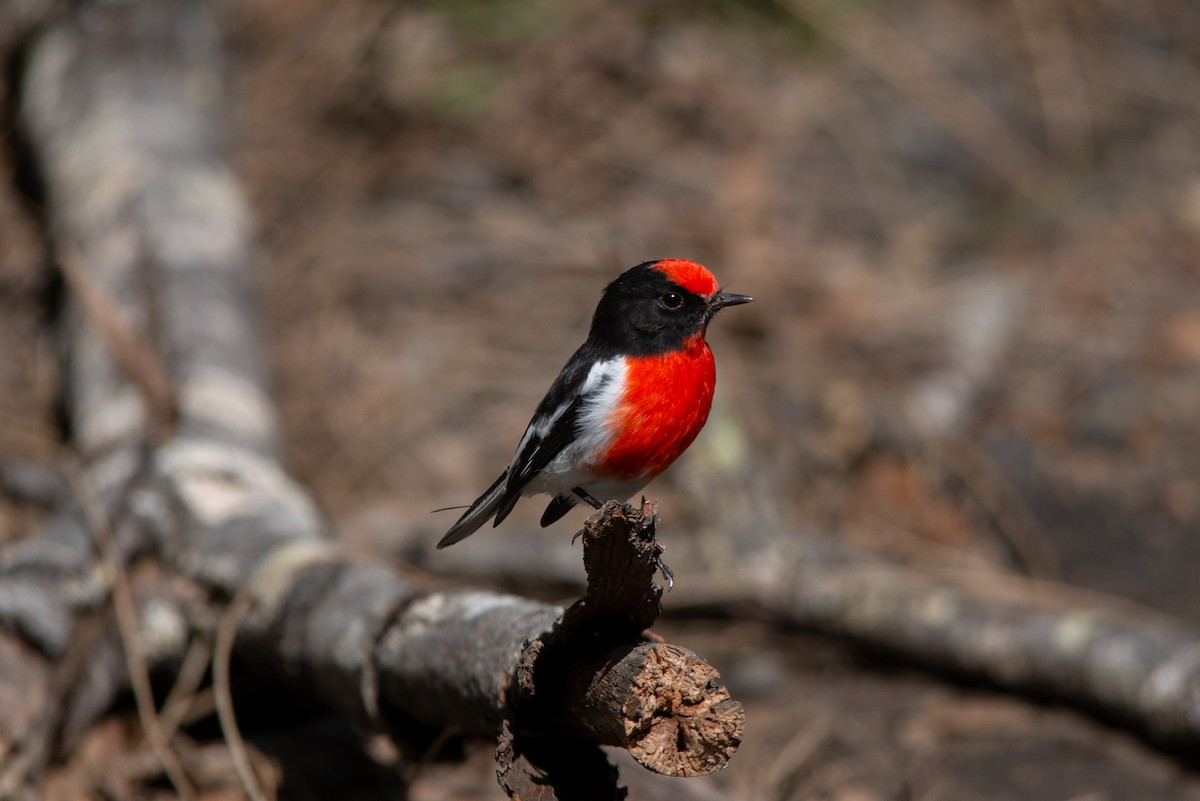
[{"x": 598, "y": 675}]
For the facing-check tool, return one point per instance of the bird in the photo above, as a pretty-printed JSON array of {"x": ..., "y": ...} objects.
[{"x": 627, "y": 403}]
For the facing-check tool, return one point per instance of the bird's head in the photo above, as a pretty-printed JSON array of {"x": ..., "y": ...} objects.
[{"x": 657, "y": 306}]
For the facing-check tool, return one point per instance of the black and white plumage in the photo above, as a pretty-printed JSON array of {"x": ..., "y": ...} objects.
[{"x": 590, "y": 438}]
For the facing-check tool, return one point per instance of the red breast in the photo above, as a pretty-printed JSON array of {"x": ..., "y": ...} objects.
[{"x": 665, "y": 402}]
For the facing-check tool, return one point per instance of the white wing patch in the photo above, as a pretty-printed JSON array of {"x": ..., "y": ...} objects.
[{"x": 601, "y": 393}]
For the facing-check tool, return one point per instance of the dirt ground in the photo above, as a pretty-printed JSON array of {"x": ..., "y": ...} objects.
[{"x": 973, "y": 235}]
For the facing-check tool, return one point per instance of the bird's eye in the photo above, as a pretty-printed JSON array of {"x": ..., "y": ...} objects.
[{"x": 672, "y": 301}]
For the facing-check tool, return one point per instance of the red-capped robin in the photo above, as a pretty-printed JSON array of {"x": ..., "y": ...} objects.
[{"x": 626, "y": 404}]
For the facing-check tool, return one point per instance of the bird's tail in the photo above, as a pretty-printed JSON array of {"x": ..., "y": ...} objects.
[{"x": 485, "y": 506}]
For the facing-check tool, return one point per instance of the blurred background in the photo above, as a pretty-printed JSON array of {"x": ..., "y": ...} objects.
[{"x": 973, "y": 233}]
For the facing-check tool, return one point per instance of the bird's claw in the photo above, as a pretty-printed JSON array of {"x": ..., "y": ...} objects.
[
  {"x": 666, "y": 571},
  {"x": 647, "y": 530}
]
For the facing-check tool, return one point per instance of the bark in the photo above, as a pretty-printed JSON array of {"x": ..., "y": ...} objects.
[
  {"x": 596, "y": 675},
  {"x": 1104, "y": 655},
  {"x": 663, "y": 704}
]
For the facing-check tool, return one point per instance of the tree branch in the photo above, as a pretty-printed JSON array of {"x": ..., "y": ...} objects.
[
  {"x": 597, "y": 675},
  {"x": 1101, "y": 653}
]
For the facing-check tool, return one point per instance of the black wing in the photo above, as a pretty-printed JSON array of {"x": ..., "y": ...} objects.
[{"x": 552, "y": 428}]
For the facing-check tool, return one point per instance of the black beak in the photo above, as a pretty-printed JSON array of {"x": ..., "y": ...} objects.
[{"x": 723, "y": 299}]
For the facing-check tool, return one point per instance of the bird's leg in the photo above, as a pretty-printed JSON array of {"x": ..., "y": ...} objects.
[
  {"x": 647, "y": 529},
  {"x": 587, "y": 497}
]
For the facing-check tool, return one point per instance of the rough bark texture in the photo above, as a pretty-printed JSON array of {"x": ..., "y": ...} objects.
[
  {"x": 673, "y": 716},
  {"x": 595, "y": 673},
  {"x": 620, "y": 557}
]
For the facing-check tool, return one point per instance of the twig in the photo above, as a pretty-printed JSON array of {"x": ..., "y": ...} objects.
[
  {"x": 1000, "y": 500},
  {"x": 125, "y": 611},
  {"x": 222, "y": 653},
  {"x": 1057, "y": 76},
  {"x": 138, "y": 360},
  {"x": 183, "y": 692},
  {"x": 796, "y": 755}
]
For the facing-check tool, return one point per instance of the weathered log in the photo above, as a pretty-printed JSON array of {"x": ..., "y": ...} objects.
[
  {"x": 1128, "y": 663},
  {"x": 596, "y": 675}
]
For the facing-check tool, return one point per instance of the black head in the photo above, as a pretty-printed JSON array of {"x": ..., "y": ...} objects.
[{"x": 655, "y": 306}]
